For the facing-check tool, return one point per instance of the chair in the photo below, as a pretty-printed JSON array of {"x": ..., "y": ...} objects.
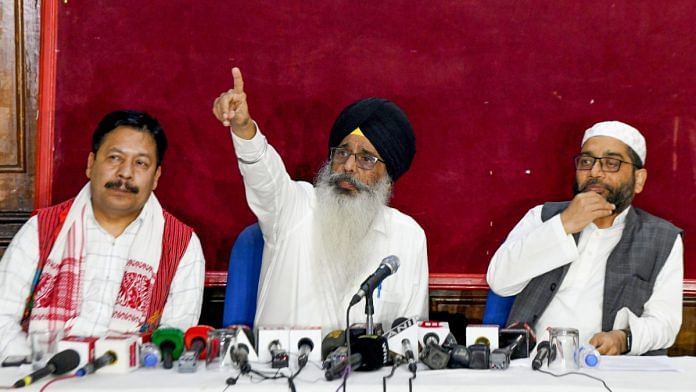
[
  {"x": 243, "y": 277},
  {"x": 497, "y": 309}
]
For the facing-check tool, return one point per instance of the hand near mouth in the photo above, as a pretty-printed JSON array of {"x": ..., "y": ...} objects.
[{"x": 585, "y": 208}]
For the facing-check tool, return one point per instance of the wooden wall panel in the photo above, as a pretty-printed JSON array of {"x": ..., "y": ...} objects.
[
  {"x": 17, "y": 102},
  {"x": 19, "y": 42}
]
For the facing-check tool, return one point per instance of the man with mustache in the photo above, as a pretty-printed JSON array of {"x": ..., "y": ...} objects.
[
  {"x": 322, "y": 241},
  {"x": 596, "y": 263},
  {"x": 110, "y": 260}
]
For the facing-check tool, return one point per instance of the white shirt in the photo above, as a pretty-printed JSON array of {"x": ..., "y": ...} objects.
[
  {"x": 535, "y": 247},
  {"x": 105, "y": 259},
  {"x": 290, "y": 292}
]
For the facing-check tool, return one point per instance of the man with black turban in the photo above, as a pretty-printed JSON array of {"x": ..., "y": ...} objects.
[{"x": 322, "y": 241}]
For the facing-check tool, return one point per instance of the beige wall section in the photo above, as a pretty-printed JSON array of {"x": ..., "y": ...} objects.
[{"x": 19, "y": 55}]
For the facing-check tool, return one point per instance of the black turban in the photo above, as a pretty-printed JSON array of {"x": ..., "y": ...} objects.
[{"x": 385, "y": 125}]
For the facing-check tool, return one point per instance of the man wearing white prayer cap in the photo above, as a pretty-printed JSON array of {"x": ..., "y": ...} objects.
[{"x": 595, "y": 263}]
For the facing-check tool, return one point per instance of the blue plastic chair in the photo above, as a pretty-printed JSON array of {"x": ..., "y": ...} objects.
[
  {"x": 243, "y": 277},
  {"x": 497, "y": 309}
]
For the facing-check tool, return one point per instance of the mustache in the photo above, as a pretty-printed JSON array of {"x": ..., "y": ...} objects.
[
  {"x": 594, "y": 181},
  {"x": 118, "y": 184},
  {"x": 335, "y": 178}
]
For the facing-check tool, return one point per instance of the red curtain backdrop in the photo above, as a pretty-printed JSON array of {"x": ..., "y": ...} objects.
[{"x": 499, "y": 94}]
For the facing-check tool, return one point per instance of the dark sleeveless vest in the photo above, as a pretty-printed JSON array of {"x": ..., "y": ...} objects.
[{"x": 631, "y": 271}]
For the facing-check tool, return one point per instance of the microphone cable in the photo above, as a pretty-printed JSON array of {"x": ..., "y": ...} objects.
[
  {"x": 410, "y": 380},
  {"x": 59, "y": 378},
  {"x": 397, "y": 362},
  {"x": 291, "y": 379},
  {"x": 576, "y": 373},
  {"x": 349, "y": 368}
]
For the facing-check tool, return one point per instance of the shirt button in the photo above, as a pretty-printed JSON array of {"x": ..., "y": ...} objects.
[{"x": 553, "y": 286}]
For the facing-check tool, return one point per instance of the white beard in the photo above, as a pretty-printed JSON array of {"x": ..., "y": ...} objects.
[{"x": 343, "y": 222}]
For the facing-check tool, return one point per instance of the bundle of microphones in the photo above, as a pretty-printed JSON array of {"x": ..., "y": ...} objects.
[
  {"x": 410, "y": 340},
  {"x": 122, "y": 353},
  {"x": 362, "y": 347}
]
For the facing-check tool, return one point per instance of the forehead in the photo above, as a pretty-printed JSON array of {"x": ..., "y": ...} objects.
[
  {"x": 358, "y": 143},
  {"x": 605, "y": 145},
  {"x": 129, "y": 140}
]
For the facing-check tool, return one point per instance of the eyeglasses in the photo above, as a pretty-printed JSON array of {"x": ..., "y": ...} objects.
[
  {"x": 364, "y": 160},
  {"x": 607, "y": 164}
]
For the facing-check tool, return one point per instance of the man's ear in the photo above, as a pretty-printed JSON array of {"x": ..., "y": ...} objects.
[
  {"x": 90, "y": 163},
  {"x": 641, "y": 177},
  {"x": 158, "y": 173}
]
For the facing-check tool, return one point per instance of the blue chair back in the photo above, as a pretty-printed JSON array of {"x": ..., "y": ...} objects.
[
  {"x": 497, "y": 309},
  {"x": 243, "y": 277}
]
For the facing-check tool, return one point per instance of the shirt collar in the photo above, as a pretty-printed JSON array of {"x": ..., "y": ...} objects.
[
  {"x": 132, "y": 227},
  {"x": 619, "y": 221},
  {"x": 621, "y": 218}
]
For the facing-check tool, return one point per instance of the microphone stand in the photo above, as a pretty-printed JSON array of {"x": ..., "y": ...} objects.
[{"x": 369, "y": 311}]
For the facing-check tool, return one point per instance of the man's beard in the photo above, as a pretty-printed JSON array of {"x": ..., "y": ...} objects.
[
  {"x": 343, "y": 220},
  {"x": 621, "y": 197}
]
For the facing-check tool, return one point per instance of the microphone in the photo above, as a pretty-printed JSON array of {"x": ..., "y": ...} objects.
[
  {"x": 509, "y": 334},
  {"x": 195, "y": 339},
  {"x": 240, "y": 356},
  {"x": 246, "y": 337},
  {"x": 460, "y": 357},
  {"x": 403, "y": 338},
  {"x": 541, "y": 355},
  {"x": 60, "y": 363},
  {"x": 433, "y": 355},
  {"x": 279, "y": 356},
  {"x": 388, "y": 266},
  {"x": 500, "y": 357},
  {"x": 336, "y": 370},
  {"x": 170, "y": 342},
  {"x": 107, "y": 359},
  {"x": 408, "y": 352},
  {"x": 479, "y": 356},
  {"x": 331, "y": 342},
  {"x": 374, "y": 351},
  {"x": 305, "y": 345}
]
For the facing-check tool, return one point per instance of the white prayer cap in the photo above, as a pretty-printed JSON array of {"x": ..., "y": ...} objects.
[{"x": 618, "y": 130}]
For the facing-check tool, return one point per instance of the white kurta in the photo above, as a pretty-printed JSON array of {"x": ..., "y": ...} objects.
[
  {"x": 105, "y": 259},
  {"x": 291, "y": 292},
  {"x": 535, "y": 247}
]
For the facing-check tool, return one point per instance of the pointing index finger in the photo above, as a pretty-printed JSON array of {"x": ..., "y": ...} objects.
[{"x": 237, "y": 80}]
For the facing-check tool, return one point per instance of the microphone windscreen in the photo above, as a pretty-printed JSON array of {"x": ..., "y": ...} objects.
[
  {"x": 398, "y": 321},
  {"x": 374, "y": 351},
  {"x": 392, "y": 262},
  {"x": 198, "y": 332},
  {"x": 332, "y": 341},
  {"x": 305, "y": 342},
  {"x": 169, "y": 339},
  {"x": 65, "y": 361}
]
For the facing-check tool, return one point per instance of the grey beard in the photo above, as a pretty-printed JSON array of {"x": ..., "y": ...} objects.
[
  {"x": 343, "y": 222},
  {"x": 621, "y": 196}
]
